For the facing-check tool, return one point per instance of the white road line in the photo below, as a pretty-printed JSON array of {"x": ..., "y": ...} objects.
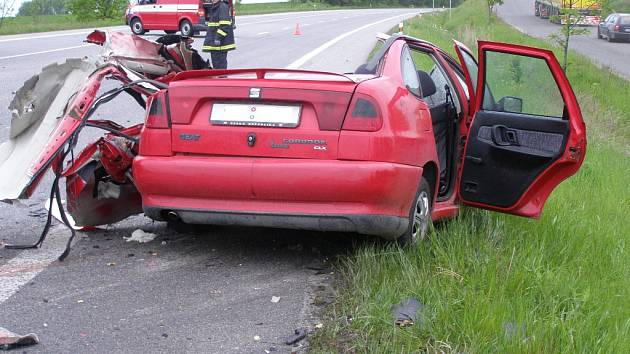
[
  {"x": 286, "y": 28},
  {"x": 306, "y": 24},
  {"x": 46, "y": 51},
  {"x": 28, "y": 263},
  {"x": 261, "y": 33},
  {"x": 310, "y": 55},
  {"x": 54, "y": 35}
]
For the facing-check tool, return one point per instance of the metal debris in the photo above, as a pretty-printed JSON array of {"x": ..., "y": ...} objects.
[
  {"x": 406, "y": 312},
  {"x": 10, "y": 340}
]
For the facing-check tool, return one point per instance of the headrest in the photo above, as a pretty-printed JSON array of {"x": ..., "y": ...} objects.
[{"x": 426, "y": 84}]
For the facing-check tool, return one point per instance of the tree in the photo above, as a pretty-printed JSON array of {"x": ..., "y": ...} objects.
[
  {"x": 570, "y": 18},
  {"x": 97, "y": 9},
  {"x": 491, "y": 5},
  {"x": 42, "y": 7},
  {"x": 6, "y": 9}
]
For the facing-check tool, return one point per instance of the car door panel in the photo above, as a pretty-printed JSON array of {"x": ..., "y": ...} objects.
[
  {"x": 515, "y": 162},
  {"x": 514, "y": 157}
]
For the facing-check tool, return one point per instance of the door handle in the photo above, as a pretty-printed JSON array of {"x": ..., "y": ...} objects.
[{"x": 504, "y": 136}]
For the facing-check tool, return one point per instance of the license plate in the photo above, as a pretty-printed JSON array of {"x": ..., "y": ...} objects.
[{"x": 255, "y": 115}]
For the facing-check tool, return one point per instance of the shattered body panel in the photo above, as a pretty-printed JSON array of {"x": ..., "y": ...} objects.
[
  {"x": 51, "y": 109},
  {"x": 98, "y": 189},
  {"x": 36, "y": 113}
]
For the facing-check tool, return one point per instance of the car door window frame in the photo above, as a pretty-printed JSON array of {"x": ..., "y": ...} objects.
[{"x": 488, "y": 90}]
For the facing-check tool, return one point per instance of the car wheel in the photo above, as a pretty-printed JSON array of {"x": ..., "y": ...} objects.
[
  {"x": 599, "y": 34},
  {"x": 136, "y": 26},
  {"x": 169, "y": 31},
  {"x": 185, "y": 27},
  {"x": 419, "y": 217}
]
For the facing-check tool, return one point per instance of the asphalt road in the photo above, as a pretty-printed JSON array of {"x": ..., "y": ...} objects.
[
  {"x": 210, "y": 292},
  {"x": 520, "y": 14}
]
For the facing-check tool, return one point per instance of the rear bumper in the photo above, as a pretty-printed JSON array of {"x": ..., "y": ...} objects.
[
  {"x": 621, "y": 35},
  {"x": 388, "y": 227},
  {"x": 328, "y": 195}
]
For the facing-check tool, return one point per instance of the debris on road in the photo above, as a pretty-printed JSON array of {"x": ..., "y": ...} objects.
[
  {"x": 257, "y": 338},
  {"x": 319, "y": 326},
  {"x": 275, "y": 299},
  {"x": 299, "y": 334},
  {"x": 140, "y": 236},
  {"x": 10, "y": 340},
  {"x": 406, "y": 312}
]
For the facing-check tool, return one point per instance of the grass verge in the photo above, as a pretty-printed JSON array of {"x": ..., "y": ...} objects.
[
  {"x": 32, "y": 24},
  {"x": 498, "y": 283}
]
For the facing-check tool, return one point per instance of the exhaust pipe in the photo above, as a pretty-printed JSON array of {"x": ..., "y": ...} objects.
[{"x": 171, "y": 215}]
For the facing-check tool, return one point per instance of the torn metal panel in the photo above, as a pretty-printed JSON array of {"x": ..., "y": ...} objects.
[
  {"x": 94, "y": 199},
  {"x": 98, "y": 189},
  {"x": 37, "y": 110},
  {"x": 135, "y": 53}
]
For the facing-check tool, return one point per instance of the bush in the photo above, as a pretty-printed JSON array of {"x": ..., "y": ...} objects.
[{"x": 85, "y": 10}]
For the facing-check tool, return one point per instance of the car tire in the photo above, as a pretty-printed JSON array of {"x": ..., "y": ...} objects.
[
  {"x": 419, "y": 216},
  {"x": 186, "y": 28},
  {"x": 599, "y": 34},
  {"x": 169, "y": 31},
  {"x": 137, "y": 27}
]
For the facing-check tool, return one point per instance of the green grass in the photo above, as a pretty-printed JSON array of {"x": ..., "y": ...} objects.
[
  {"x": 31, "y": 24},
  {"x": 496, "y": 283},
  {"x": 254, "y": 9}
]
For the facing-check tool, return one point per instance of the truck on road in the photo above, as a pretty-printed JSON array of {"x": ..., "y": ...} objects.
[{"x": 588, "y": 11}]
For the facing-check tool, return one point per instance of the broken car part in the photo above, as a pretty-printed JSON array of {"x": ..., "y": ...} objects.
[
  {"x": 52, "y": 108},
  {"x": 406, "y": 312},
  {"x": 10, "y": 340}
]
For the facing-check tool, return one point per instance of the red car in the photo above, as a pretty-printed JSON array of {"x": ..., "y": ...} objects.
[
  {"x": 409, "y": 137},
  {"x": 186, "y": 16}
]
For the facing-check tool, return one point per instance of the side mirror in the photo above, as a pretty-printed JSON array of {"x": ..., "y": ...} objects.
[{"x": 511, "y": 104}]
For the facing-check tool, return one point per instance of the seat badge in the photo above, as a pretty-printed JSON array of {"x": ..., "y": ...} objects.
[{"x": 254, "y": 92}]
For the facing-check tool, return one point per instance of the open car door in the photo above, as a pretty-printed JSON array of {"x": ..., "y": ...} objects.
[{"x": 527, "y": 134}]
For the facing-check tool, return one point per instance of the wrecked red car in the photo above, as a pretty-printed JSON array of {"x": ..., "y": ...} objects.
[{"x": 404, "y": 140}]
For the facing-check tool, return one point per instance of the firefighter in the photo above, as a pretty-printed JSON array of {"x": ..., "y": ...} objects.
[{"x": 220, "y": 35}]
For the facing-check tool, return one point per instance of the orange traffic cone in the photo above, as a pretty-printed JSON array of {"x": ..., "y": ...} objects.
[{"x": 297, "y": 30}]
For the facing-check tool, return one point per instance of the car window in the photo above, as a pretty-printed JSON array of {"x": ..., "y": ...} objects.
[
  {"x": 524, "y": 85},
  {"x": 426, "y": 62},
  {"x": 462, "y": 81},
  {"x": 409, "y": 74},
  {"x": 624, "y": 20}
]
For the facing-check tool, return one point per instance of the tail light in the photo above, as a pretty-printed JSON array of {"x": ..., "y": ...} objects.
[
  {"x": 158, "y": 115},
  {"x": 363, "y": 115},
  {"x": 617, "y": 28},
  {"x": 201, "y": 12}
]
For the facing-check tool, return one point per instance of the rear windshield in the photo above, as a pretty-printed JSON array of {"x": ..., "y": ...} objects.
[{"x": 624, "y": 20}]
